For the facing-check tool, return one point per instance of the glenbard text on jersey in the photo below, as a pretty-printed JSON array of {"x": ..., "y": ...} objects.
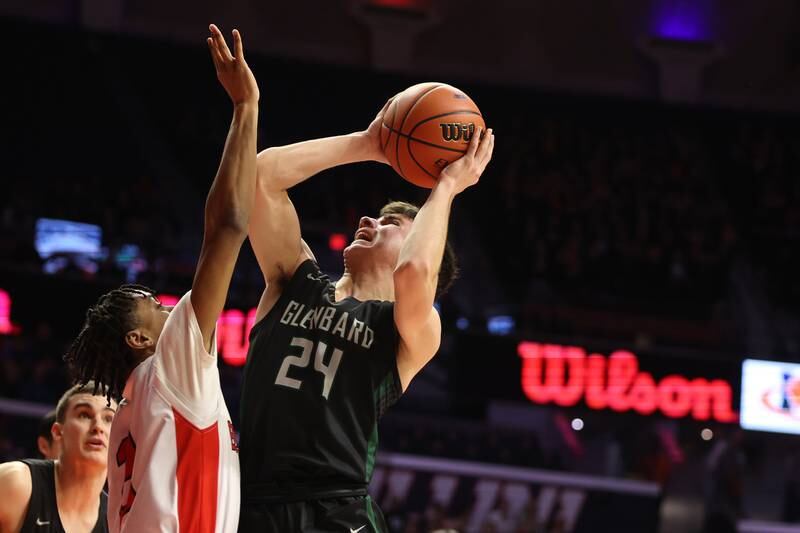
[{"x": 321, "y": 318}]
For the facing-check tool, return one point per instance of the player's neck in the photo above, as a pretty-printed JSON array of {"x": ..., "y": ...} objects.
[
  {"x": 78, "y": 486},
  {"x": 369, "y": 285}
]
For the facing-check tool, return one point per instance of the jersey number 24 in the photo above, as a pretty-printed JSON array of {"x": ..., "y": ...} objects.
[{"x": 302, "y": 360}]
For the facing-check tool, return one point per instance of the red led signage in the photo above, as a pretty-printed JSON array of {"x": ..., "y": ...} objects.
[
  {"x": 233, "y": 328},
  {"x": 233, "y": 331},
  {"x": 565, "y": 375},
  {"x": 6, "y": 327}
]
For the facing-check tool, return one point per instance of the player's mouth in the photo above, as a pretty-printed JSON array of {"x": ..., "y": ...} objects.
[
  {"x": 96, "y": 444},
  {"x": 364, "y": 234}
]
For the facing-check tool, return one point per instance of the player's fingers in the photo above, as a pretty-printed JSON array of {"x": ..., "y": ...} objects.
[
  {"x": 215, "y": 57},
  {"x": 473, "y": 142},
  {"x": 488, "y": 155},
  {"x": 484, "y": 146},
  {"x": 215, "y": 38},
  {"x": 238, "y": 49},
  {"x": 220, "y": 42},
  {"x": 215, "y": 33}
]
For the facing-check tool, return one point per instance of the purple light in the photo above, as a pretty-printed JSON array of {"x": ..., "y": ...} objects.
[{"x": 684, "y": 20}]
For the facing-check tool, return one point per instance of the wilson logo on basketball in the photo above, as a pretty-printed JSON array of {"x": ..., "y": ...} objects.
[{"x": 455, "y": 131}]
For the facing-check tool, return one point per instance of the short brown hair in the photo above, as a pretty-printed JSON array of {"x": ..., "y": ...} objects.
[
  {"x": 448, "y": 268},
  {"x": 81, "y": 388}
]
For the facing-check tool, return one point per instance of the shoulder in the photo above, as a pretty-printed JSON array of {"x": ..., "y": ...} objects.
[
  {"x": 305, "y": 275},
  {"x": 182, "y": 312},
  {"x": 15, "y": 492},
  {"x": 14, "y": 475},
  {"x": 181, "y": 330}
]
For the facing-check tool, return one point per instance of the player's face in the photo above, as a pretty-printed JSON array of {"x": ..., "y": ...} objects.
[
  {"x": 84, "y": 432},
  {"x": 377, "y": 241},
  {"x": 152, "y": 317}
]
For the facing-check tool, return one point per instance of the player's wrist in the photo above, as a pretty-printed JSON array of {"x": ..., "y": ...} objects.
[
  {"x": 446, "y": 185},
  {"x": 369, "y": 147}
]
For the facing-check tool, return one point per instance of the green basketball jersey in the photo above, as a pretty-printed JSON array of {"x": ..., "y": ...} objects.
[{"x": 319, "y": 376}]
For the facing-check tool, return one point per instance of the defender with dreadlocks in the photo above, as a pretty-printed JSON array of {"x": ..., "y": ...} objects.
[{"x": 173, "y": 459}]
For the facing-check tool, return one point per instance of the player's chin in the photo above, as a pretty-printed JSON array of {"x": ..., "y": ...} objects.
[
  {"x": 356, "y": 248},
  {"x": 97, "y": 456}
]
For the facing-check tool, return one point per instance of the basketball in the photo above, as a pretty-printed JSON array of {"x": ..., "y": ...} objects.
[{"x": 425, "y": 128}]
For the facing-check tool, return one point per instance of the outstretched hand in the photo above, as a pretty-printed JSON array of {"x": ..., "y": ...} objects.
[
  {"x": 373, "y": 135},
  {"x": 232, "y": 70},
  {"x": 466, "y": 171}
]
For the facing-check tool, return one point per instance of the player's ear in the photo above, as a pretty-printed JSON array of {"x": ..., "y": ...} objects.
[
  {"x": 138, "y": 339},
  {"x": 43, "y": 446},
  {"x": 57, "y": 430}
]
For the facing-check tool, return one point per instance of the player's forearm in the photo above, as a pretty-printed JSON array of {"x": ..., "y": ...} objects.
[
  {"x": 230, "y": 200},
  {"x": 422, "y": 251},
  {"x": 282, "y": 167}
]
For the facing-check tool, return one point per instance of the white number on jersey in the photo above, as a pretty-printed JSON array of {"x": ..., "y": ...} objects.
[{"x": 302, "y": 361}]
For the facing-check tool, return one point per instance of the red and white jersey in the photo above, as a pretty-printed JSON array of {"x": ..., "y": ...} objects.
[{"x": 173, "y": 462}]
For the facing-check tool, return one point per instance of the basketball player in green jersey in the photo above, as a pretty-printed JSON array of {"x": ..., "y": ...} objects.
[{"x": 326, "y": 359}]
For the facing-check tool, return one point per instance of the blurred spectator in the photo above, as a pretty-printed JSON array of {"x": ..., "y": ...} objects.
[
  {"x": 791, "y": 491},
  {"x": 48, "y": 448},
  {"x": 725, "y": 467}
]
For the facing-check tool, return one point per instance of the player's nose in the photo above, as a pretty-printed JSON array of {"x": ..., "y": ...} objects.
[
  {"x": 367, "y": 222},
  {"x": 97, "y": 426}
]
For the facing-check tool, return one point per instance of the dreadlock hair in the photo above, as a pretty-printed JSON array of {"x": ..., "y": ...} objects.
[
  {"x": 448, "y": 269},
  {"x": 100, "y": 354}
]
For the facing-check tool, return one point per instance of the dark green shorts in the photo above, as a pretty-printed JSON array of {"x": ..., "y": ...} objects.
[{"x": 357, "y": 514}]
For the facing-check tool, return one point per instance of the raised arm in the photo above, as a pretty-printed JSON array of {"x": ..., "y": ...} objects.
[
  {"x": 230, "y": 200},
  {"x": 417, "y": 270},
  {"x": 274, "y": 227}
]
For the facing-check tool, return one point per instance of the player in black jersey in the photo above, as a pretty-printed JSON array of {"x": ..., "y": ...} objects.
[
  {"x": 327, "y": 359},
  {"x": 45, "y": 496}
]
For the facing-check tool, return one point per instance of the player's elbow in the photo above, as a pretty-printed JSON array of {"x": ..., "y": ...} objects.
[
  {"x": 232, "y": 219},
  {"x": 270, "y": 173}
]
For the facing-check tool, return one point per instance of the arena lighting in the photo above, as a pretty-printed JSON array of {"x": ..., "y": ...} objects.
[
  {"x": 577, "y": 424},
  {"x": 337, "y": 242},
  {"x": 563, "y": 375},
  {"x": 682, "y": 20},
  {"x": 401, "y": 5},
  {"x": 706, "y": 434},
  {"x": 462, "y": 323},
  {"x": 500, "y": 324},
  {"x": 6, "y": 327},
  {"x": 56, "y": 236}
]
